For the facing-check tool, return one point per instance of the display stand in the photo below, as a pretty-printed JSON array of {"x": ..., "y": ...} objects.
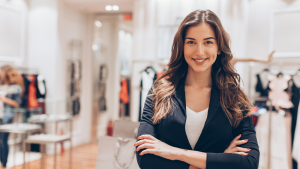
[
  {"x": 19, "y": 128},
  {"x": 44, "y": 139}
]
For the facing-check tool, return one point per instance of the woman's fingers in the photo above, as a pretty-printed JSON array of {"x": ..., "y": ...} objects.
[
  {"x": 240, "y": 149},
  {"x": 240, "y": 142},
  {"x": 145, "y": 146},
  {"x": 143, "y": 142},
  {"x": 241, "y": 153},
  {"x": 236, "y": 138},
  {"x": 149, "y": 151},
  {"x": 146, "y": 136}
]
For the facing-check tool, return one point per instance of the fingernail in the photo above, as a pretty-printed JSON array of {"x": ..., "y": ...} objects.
[
  {"x": 248, "y": 149},
  {"x": 246, "y": 139},
  {"x": 240, "y": 134},
  {"x": 139, "y": 137},
  {"x": 134, "y": 144},
  {"x": 135, "y": 149},
  {"x": 140, "y": 153},
  {"x": 246, "y": 153}
]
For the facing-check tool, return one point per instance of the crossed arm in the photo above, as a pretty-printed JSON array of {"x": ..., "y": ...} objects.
[{"x": 154, "y": 154}]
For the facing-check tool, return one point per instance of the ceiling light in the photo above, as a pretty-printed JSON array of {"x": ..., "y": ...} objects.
[
  {"x": 95, "y": 47},
  {"x": 108, "y": 7},
  {"x": 115, "y": 8},
  {"x": 98, "y": 24}
]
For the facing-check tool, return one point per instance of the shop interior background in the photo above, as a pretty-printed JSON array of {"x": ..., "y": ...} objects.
[{"x": 92, "y": 55}]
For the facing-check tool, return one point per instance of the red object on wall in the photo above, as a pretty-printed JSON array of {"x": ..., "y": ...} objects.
[
  {"x": 110, "y": 128},
  {"x": 127, "y": 17}
]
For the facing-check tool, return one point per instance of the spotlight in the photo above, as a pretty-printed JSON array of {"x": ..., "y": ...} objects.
[
  {"x": 115, "y": 8},
  {"x": 98, "y": 24},
  {"x": 108, "y": 8}
]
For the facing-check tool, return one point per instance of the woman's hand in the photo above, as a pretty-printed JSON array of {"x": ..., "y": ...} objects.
[
  {"x": 156, "y": 147},
  {"x": 237, "y": 150}
]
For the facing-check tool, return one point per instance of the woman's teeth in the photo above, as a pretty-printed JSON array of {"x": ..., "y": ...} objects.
[{"x": 199, "y": 60}]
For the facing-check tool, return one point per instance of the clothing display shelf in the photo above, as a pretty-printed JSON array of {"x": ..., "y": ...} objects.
[
  {"x": 20, "y": 111},
  {"x": 19, "y": 128},
  {"x": 44, "y": 138}
]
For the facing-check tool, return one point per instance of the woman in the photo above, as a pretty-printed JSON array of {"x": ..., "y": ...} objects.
[
  {"x": 199, "y": 79},
  {"x": 11, "y": 83}
]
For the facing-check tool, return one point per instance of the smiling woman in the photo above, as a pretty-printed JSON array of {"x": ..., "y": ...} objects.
[{"x": 196, "y": 115}]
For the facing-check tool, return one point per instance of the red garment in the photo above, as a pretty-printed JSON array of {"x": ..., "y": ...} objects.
[
  {"x": 124, "y": 91},
  {"x": 159, "y": 74},
  {"x": 32, "y": 101}
]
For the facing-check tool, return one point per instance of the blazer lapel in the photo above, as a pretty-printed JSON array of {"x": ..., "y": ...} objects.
[{"x": 214, "y": 105}]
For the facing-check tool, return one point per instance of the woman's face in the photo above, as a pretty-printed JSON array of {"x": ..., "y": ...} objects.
[{"x": 200, "y": 48}]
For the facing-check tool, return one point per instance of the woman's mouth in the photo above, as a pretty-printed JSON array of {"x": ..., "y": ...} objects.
[{"x": 199, "y": 61}]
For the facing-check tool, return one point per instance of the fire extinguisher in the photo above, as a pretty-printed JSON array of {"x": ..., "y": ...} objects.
[{"x": 110, "y": 127}]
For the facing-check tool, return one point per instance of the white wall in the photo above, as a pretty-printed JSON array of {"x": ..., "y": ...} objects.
[
  {"x": 259, "y": 24},
  {"x": 51, "y": 27}
]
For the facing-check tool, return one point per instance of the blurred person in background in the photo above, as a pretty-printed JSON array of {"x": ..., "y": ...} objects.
[
  {"x": 197, "y": 115},
  {"x": 11, "y": 83}
]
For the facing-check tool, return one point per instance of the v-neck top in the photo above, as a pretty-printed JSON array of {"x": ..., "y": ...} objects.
[{"x": 194, "y": 124}]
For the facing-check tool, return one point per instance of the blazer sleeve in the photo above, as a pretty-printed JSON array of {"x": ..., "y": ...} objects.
[
  {"x": 229, "y": 160},
  {"x": 150, "y": 161}
]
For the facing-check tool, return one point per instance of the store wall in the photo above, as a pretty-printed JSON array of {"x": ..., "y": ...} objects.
[
  {"x": 51, "y": 27},
  {"x": 259, "y": 24}
]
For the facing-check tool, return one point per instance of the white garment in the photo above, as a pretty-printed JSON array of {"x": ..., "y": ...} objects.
[
  {"x": 147, "y": 82},
  {"x": 280, "y": 149},
  {"x": 194, "y": 125}
]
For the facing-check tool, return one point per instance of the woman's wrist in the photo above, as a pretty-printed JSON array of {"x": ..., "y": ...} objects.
[{"x": 180, "y": 154}]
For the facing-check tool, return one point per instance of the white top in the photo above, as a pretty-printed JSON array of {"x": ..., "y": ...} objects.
[{"x": 194, "y": 125}]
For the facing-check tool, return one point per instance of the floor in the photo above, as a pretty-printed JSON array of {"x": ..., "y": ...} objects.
[{"x": 84, "y": 157}]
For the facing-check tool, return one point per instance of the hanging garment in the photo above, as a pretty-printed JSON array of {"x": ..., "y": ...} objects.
[
  {"x": 159, "y": 74},
  {"x": 76, "y": 106},
  {"x": 263, "y": 92},
  {"x": 280, "y": 147},
  {"x": 147, "y": 81},
  {"x": 32, "y": 101},
  {"x": 41, "y": 87},
  {"x": 277, "y": 95},
  {"x": 124, "y": 91}
]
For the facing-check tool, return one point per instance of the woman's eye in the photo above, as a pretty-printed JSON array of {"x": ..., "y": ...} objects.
[
  {"x": 190, "y": 42},
  {"x": 209, "y": 42}
]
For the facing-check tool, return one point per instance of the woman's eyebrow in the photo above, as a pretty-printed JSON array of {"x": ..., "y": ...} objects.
[
  {"x": 189, "y": 38},
  {"x": 209, "y": 38}
]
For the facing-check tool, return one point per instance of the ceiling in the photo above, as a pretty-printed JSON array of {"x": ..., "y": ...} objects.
[{"x": 98, "y": 6}]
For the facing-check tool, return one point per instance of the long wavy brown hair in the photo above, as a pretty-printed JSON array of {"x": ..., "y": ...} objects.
[
  {"x": 12, "y": 77},
  {"x": 233, "y": 100}
]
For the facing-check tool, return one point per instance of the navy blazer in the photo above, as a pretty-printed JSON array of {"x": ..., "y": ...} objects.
[{"x": 215, "y": 138}]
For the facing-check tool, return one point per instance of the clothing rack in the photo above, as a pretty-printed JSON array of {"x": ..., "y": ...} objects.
[{"x": 281, "y": 65}]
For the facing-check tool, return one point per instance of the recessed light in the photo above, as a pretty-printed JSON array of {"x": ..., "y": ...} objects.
[
  {"x": 98, "y": 24},
  {"x": 108, "y": 7},
  {"x": 95, "y": 47},
  {"x": 115, "y": 8}
]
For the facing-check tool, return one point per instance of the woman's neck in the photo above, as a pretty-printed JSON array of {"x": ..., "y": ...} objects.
[{"x": 198, "y": 79}]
